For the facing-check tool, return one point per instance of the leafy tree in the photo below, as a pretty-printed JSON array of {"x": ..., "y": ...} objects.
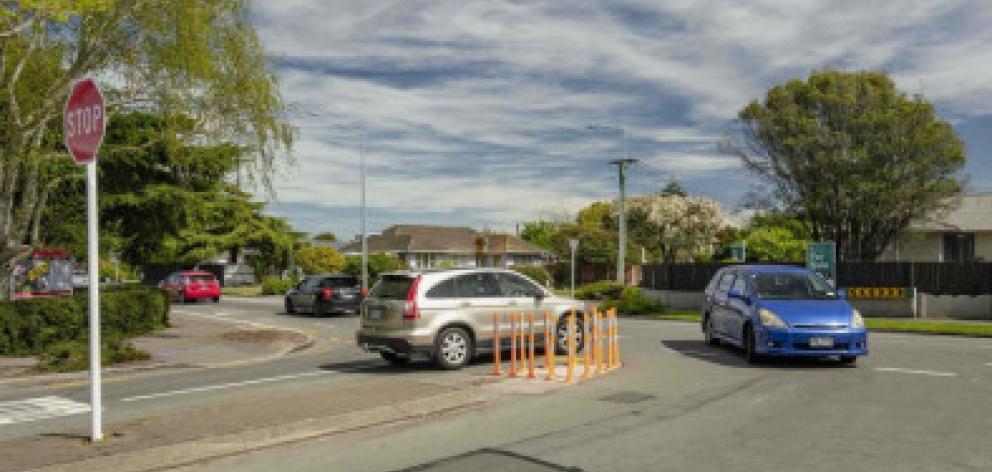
[
  {"x": 325, "y": 236},
  {"x": 164, "y": 201},
  {"x": 674, "y": 188},
  {"x": 540, "y": 233},
  {"x": 197, "y": 58},
  {"x": 596, "y": 215},
  {"x": 596, "y": 246},
  {"x": 319, "y": 260},
  {"x": 771, "y": 244},
  {"x": 852, "y": 155},
  {"x": 377, "y": 264},
  {"x": 673, "y": 226}
]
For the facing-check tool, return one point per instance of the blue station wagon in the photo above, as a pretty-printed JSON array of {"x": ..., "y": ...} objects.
[{"x": 781, "y": 311}]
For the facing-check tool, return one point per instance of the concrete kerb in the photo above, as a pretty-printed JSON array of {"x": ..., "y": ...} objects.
[{"x": 191, "y": 452}]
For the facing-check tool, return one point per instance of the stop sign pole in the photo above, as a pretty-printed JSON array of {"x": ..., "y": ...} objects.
[{"x": 84, "y": 126}]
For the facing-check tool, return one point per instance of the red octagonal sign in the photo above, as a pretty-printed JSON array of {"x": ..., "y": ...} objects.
[{"x": 84, "y": 121}]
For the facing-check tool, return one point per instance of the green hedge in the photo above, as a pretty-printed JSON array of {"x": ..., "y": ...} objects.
[
  {"x": 602, "y": 290},
  {"x": 275, "y": 286},
  {"x": 632, "y": 302},
  {"x": 30, "y": 327}
]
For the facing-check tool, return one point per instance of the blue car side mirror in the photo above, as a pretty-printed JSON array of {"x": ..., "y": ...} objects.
[
  {"x": 737, "y": 294},
  {"x": 841, "y": 293}
]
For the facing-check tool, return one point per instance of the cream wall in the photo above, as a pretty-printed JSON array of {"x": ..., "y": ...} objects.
[{"x": 919, "y": 247}]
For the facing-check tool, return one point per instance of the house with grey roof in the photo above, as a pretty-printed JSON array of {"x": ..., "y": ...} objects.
[
  {"x": 962, "y": 234},
  {"x": 429, "y": 247}
]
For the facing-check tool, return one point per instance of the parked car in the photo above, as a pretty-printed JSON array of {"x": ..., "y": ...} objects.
[
  {"x": 191, "y": 286},
  {"x": 325, "y": 294},
  {"x": 781, "y": 311},
  {"x": 447, "y": 315}
]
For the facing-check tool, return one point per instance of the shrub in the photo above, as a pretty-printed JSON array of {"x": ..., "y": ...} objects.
[
  {"x": 33, "y": 326},
  {"x": 536, "y": 273},
  {"x": 319, "y": 260},
  {"x": 602, "y": 290},
  {"x": 633, "y": 303},
  {"x": 71, "y": 356},
  {"x": 276, "y": 286}
]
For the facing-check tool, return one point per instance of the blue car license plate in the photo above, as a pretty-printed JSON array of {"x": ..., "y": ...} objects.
[{"x": 821, "y": 342}]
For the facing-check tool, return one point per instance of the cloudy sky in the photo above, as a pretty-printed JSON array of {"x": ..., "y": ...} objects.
[{"x": 477, "y": 112}]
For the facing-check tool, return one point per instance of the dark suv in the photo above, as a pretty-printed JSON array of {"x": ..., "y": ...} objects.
[{"x": 325, "y": 294}]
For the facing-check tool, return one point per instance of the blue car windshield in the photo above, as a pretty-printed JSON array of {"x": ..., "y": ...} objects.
[{"x": 791, "y": 286}]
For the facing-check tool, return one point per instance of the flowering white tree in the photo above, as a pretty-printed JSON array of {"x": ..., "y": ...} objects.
[{"x": 672, "y": 224}]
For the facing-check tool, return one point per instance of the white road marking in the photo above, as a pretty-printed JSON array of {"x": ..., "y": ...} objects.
[
  {"x": 931, "y": 373},
  {"x": 33, "y": 409},
  {"x": 988, "y": 364},
  {"x": 207, "y": 388}
]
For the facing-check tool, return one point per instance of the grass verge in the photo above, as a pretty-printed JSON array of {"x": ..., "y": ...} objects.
[
  {"x": 874, "y": 324},
  {"x": 929, "y": 327}
]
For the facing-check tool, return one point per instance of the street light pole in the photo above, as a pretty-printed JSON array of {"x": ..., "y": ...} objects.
[{"x": 365, "y": 239}]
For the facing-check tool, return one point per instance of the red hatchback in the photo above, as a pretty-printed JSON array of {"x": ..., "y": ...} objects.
[{"x": 191, "y": 286}]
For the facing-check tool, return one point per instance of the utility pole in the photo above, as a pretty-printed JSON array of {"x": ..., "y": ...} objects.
[{"x": 622, "y": 249}]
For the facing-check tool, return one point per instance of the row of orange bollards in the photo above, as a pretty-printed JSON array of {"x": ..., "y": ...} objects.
[{"x": 600, "y": 332}]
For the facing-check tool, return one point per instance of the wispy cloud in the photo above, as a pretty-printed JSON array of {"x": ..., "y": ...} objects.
[{"x": 476, "y": 111}]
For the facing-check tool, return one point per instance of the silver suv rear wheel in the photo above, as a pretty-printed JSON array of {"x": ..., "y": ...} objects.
[{"x": 453, "y": 348}]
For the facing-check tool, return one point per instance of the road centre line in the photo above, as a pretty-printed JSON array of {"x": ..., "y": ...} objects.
[
  {"x": 208, "y": 388},
  {"x": 930, "y": 373}
]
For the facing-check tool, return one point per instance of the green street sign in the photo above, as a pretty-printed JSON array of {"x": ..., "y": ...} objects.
[
  {"x": 822, "y": 259},
  {"x": 738, "y": 251}
]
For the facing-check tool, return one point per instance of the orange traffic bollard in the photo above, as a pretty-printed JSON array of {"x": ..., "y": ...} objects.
[
  {"x": 616, "y": 339},
  {"x": 496, "y": 346},
  {"x": 597, "y": 345},
  {"x": 530, "y": 347},
  {"x": 570, "y": 375},
  {"x": 586, "y": 346},
  {"x": 609, "y": 340},
  {"x": 549, "y": 346},
  {"x": 513, "y": 346},
  {"x": 522, "y": 355}
]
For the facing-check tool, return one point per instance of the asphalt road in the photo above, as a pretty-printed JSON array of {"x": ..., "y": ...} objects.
[
  {"x": 333, "y": 360},
  {"x": 918, "y": 403}
]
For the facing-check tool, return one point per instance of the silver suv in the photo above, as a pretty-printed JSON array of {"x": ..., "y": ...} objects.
[{"x": 447, "y": 315}]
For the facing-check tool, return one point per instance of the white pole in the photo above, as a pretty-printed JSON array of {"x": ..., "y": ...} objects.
[
  {"x": 93, "y": 263},
  {"x": 365, "y": 238},
  {"x": 573, "y": 271}
]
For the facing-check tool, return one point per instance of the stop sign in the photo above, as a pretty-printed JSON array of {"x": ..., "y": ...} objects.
[{"x": 84, "y": 121}]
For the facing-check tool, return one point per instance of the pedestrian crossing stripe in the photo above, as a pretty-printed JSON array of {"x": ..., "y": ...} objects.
[{"x": 41, "y": 408}]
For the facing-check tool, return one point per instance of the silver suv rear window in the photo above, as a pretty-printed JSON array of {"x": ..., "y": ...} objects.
[{"x": 392, "y": 287}]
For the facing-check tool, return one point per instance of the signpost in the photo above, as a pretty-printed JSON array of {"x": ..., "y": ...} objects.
[
  {"x": 573, "y": 244},
  {"x": 84, "y": 122},
  {"x": 822, "y": 259},
  {"x": 738, "y": 251}
]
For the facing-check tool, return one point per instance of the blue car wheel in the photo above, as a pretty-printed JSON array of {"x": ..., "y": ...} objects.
[{"x": 750, "y": 355}]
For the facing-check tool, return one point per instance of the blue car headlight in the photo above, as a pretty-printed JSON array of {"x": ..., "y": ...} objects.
[
  {"x": 857, "y": 321},
  {"x": 771, "y": 320}
]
